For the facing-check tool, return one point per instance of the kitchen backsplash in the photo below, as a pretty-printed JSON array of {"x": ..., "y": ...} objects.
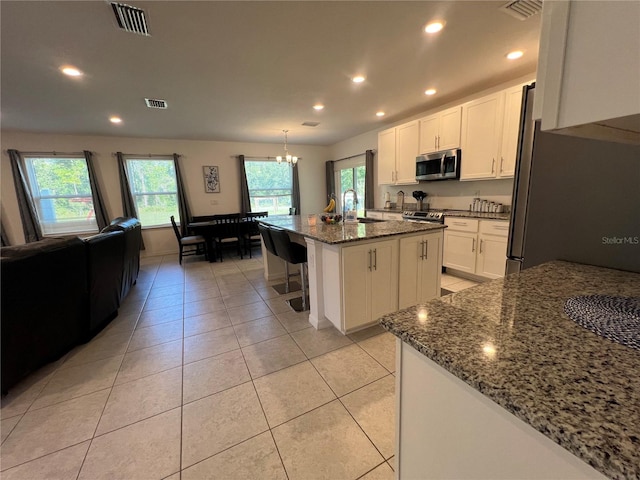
[{"x": 450, "y": 194}]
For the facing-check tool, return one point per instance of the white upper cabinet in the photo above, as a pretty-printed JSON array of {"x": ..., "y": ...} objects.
[
  {"x": 387, "y": 157},
  {"x": 397, "y": 152},
  {"x": 589, "y": 70},
  {"x": 481, "y": 136},
  {"x": 440, "y": 131},
  {"x": 510, "y": 130},
  {"x": 490, "y": 127}
]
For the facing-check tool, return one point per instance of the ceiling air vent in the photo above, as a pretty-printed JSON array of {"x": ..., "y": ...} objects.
[
  {"x": 310, "y": 124},
  {"x": 130, "y": 19},
  {"x": 154, "y": 103},
  {"x": 522, "y": 9}
]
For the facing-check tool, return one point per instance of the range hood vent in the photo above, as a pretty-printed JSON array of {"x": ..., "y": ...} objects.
[
  {"x": 522, "y": 9},
  {"x": 310, "y": 124},
  {"x": 130, "y": 19},
  {"x": 155, "y": 103}
]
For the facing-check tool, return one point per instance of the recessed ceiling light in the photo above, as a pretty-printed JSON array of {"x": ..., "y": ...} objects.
[
  {"x": 318, "y": 107},
  {"x": 380, "y": 114},
  {"x": 434, "y": 27},
  {"x": 115, "y": 119},
  {"x": 71, "y": 71},
  {"x": 515, "y": 54},
  {"x": 431, "y": 91},
  {"x": 358, "y": 79}
]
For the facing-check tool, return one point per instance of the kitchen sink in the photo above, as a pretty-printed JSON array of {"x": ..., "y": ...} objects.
[{"x": 369, "y": 220}]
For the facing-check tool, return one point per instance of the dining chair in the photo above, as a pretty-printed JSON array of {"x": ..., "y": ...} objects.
[
  {"x": 249, "y": 230},
  {"x": 227, "y": 232},
  {"x": 192, "y": 243}
]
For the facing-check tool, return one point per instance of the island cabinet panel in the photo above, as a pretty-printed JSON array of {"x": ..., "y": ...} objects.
[
  {"x": 369, "y": 283},
  {"x": 419, "y": 269},
  {"x": 447, "y": 429}
]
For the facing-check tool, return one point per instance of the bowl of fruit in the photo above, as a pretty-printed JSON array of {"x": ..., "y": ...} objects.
[{"x": 329, "y": 218}]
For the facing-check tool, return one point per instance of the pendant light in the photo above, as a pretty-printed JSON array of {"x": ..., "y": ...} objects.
[{"x": 290, "y": 159}]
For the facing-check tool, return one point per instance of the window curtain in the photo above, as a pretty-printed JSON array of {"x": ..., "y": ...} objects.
[
  {"x": 330, "y": 178},
  {"x": 128, "y": 205},
  {"x": 183, "y": 203},
  {"x": 295, "y": 194},
  {"x": 3, "y": 235},
  {"x": 99, "y": 208},
  {"x": 28, "y": 215},
  {"x": 245, "y": 200},
  {"x": 368, "y": 180}
]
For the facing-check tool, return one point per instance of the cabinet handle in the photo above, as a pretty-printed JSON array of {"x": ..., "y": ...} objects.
[
  {"x": 422, "y": 250},
  {"x": 501, "y": 162},
  {"x": 438, "y": 142},
  {"x": 435, "y": 142},
  {"x": 369, "y": 260},
  {"x": 425, "y": 249},
  {"x": 462, "y": 224},
  {"x": 501, "y": 227},
  {"x": 493, "y": 165},
  {"x": 481, "y": 245},
  {"x": 375, "y": 259},
  {"x": 473, "y": 245}
]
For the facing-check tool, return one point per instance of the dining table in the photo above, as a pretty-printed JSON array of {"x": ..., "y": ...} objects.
[{"x": 208, "y": 230}]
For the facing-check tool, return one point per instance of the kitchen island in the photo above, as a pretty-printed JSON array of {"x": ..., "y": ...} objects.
[
  {"x": 498, "y": 382},
  {"x": 361, "y": 271}
]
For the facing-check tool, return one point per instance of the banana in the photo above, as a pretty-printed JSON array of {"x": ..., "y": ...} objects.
[{"x": 329, "y": 208}]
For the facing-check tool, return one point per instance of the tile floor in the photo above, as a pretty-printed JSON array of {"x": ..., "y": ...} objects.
[
  {"x": 455, "y": 284},
  {"x": 207, "y": 373}
]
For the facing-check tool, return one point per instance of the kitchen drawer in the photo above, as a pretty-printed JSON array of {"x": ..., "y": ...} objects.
[
  {"x": 378, "y": 215},
  {"x": 392, "y": 216},
  {"x": 461, "y": 224},
  {"x": 494, "y": 227}
]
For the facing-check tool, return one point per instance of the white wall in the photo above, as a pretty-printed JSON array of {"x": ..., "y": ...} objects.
[
  {"x": 194, "y": 154},
  {"x": 444, "y": 194}
]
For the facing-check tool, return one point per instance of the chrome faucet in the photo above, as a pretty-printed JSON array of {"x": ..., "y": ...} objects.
[{"x": 344, "y": 204}]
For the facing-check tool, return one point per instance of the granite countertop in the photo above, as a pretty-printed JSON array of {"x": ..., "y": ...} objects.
[
  {"x": 347, "y": 232},
  {"x": 453, "y": 213},
  {"x": 511, "y": 340}
]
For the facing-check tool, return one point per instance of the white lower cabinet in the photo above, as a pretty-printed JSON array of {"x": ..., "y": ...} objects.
[
  {"x": 377, "y": 215},
  {"x": 476, "y": 246},
  {"x": 370, "y": 282},
  {"x": 420, "y": 267}
]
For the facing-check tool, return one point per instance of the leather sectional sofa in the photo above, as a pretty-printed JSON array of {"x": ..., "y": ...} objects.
[{"x": 60, "y": 292}]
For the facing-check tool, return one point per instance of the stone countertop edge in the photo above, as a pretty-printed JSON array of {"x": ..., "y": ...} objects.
[
  {"x": 577, "y": 388},
  {"x": 454, "y": 213},
  {"x": 346, "y": 232}
]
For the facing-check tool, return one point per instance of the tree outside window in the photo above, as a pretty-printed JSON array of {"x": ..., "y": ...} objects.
[
  {"x": 154, "y": 190},
  {"x": 61, "y": 193},
  {"x": 270, "y": 186}
]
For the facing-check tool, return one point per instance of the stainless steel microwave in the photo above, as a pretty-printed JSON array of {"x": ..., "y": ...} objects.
[{"x": 439, "y": 166}]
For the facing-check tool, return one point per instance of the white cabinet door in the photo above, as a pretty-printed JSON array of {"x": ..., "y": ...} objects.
[
  {"x": 429, "y": 131},
  {"x": 386, "y": 167},
  {"x": 384, "y": 280},
  {"x": 356, "y": 265},
  {"x": 420, "y": 264},
  {"x": 370, "y": 282},
  {"x": 407, "y": 149},
  {"x": 481, "y": 136},
  {"x": 460, "y": 250},
  {"x": 449, "y": 135},
  {"x": 510, "y": 130},
  {"x": 492, "y": 256},
  {"x": 378, "y": 215}
]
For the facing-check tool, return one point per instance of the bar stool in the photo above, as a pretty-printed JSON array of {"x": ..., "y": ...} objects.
[
  {"x": 281, "y": 288},
  {"x": 294, "y": 253}
]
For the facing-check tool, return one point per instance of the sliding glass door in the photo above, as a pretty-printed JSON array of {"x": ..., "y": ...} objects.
[{"x": 351, "y": 174}]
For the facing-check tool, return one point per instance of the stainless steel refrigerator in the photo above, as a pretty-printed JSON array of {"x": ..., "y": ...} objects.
[{"x": 574, "y": 199}]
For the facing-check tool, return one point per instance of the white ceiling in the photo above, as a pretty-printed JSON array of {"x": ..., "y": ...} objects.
[{"x": 244, "y": 70}]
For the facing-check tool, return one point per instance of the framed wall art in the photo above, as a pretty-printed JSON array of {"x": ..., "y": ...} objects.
[{"x": 211, "y": 179}]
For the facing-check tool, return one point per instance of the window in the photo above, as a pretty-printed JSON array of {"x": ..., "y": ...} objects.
[
  {"x": 154, "y": 190},
  {"x": 61, "y": 193},
  {"x": 351, "y": 174},
  {"x": 270, "y": 186}
]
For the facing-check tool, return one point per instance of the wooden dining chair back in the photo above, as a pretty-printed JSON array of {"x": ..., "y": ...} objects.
[
  {"x": 190, "y": 245},
  {"x": 250, "y": 232},
  {"x": 227, "y": 232}
]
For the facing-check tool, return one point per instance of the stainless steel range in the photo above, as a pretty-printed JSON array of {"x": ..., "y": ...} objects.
[{"x": 418, "y": 216}]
